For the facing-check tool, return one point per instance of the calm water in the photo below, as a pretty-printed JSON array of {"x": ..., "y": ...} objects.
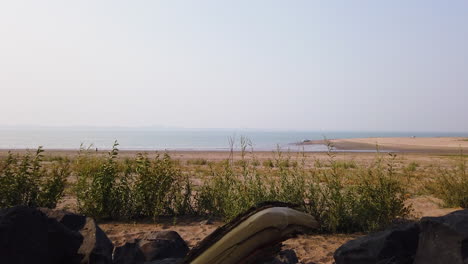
[{"x": 147, "y": 139}]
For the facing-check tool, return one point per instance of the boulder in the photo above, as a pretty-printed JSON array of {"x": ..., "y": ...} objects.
[
  {"x": 129, "y": 253},
  {"x": 159, "y": 245},
  {"x": 396, "y": 245},
  {"x": 166, "y": 261},
  {"x": 154, "y": 247},
  {"x": 96, "y": 248},
  {"x": 444, "y": 239},
  {"x": 28, "y": 236},
  {"x": 287, "y": 256}
]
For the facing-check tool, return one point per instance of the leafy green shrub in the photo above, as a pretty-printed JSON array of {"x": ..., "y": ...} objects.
[
  {"x": 96, "y": 190},
  {"x": 25, "y": 181},
  {"x": 53, "y": 186},
  {"x": 225, "y": 194},
  {"x": 342, "y": 200},
  {"x": 108, "y": 188},
  {"x": 160, "y": 188},
  {"x": 346, "y": 201},
  {"x": 342, "y": 196}
]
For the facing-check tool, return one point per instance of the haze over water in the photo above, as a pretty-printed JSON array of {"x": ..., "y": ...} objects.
[{"x": 178, "y": 139}]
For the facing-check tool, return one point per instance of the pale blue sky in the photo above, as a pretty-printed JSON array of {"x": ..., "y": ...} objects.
[{"x": 300, "y": 65}]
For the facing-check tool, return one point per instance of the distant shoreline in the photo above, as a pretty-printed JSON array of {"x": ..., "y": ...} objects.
[
  {"x": 444, "y": 145},
  {"x": 398, "y": 144}
]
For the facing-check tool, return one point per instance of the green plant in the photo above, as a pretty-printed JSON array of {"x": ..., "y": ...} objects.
[
  {"x": 25, "y": 181},
  {"x": 345, "y": 164},
  {"x": 108, "y": 188},
  {"x": 342, "y": 195},
  {"x": 343, "y": 198},
  {"x": 268, "y": 163},
  {"x": 95, "y": 185},
  {"x": 53, "y": 187},
  {"x": 452, "y": 184},
  {"x": 198, "y": 161},
  {"x": 412, "y": 166},
  {"x": 160, "y": 188}
]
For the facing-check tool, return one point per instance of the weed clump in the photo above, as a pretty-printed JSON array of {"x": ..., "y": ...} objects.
[
  {"x": 199, "y": 161},
  {"x": 342, "y": 200},
  {"x": 348, "y": 201},
  {"x": 136, "y": 188},
  {"x": 451, "y": 185},
  {"x": 342, "y": 195},
  {"x": 25, "y": 181}
]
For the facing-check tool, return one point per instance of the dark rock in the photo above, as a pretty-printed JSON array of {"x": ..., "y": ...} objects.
[
  {"x": 165, "y": 261},
  {"x": 287, "y": 256},
  {"x": 129, "y": 253},
  {"x": 96, "y": 247},
  {"x": 444, "y": 239},
  {"x": 73, "y": 221},
  {"x": 154, "y": 247},
  {"x": 160, "y": 245},
  {"x": 28, "y": 236},
  {"x": 394, "y": 246}
]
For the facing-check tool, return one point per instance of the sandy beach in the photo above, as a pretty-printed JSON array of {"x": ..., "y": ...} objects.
[
  {"x": 317, "y": 248},
  {"x": 401, "y": 144},
  {"x": 310, "y": 249},
  {"x": 424, "y": 145}
]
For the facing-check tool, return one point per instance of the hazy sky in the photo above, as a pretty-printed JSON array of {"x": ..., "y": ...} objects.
[{"x": 301, "y": 65}]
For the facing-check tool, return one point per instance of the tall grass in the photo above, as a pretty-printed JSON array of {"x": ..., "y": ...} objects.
[
  {"x": 451, "y": 184},
  {"x": 342, "y": 200},
  {"x": 342, "y": 196}
]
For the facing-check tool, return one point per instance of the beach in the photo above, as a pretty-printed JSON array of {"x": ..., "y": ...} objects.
[
  {"x": 318, "y": 248},
  {"x": 399, "y": 144}
]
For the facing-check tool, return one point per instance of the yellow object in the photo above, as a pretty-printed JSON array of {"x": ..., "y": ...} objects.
[{"x": 271, "y": 225}]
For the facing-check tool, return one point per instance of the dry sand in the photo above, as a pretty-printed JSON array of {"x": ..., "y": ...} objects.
[
  {"x": 404, "y": 144},
  {"x": 317, "y": 248}
]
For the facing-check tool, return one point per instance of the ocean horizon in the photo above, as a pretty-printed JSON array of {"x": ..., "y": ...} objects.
[{"x": 148, "y": 139}]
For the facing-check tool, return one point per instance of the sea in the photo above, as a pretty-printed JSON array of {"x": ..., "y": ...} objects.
[{"x": 149, "y": 139}]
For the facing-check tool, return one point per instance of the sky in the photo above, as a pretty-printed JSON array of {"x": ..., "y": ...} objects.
[{"x": 260, "y": 64}]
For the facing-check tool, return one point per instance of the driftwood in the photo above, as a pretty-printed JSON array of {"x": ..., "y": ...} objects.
[{"x": 252, "y": 236}]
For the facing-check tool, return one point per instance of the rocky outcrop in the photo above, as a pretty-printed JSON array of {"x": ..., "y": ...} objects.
[
  {"x": 444, "y": 239},
  {"x": 130, "y": 252},
  {"x": 154, "y": 246},
  {"x": 31, "y": 235},
  {"x": 27, "y": 236},
  {"x": 96, "y": 248},
  {"x": 396, "y": 245},
  {"x": 437, "y": 240},
  {"x": 163, "y": 244}
]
